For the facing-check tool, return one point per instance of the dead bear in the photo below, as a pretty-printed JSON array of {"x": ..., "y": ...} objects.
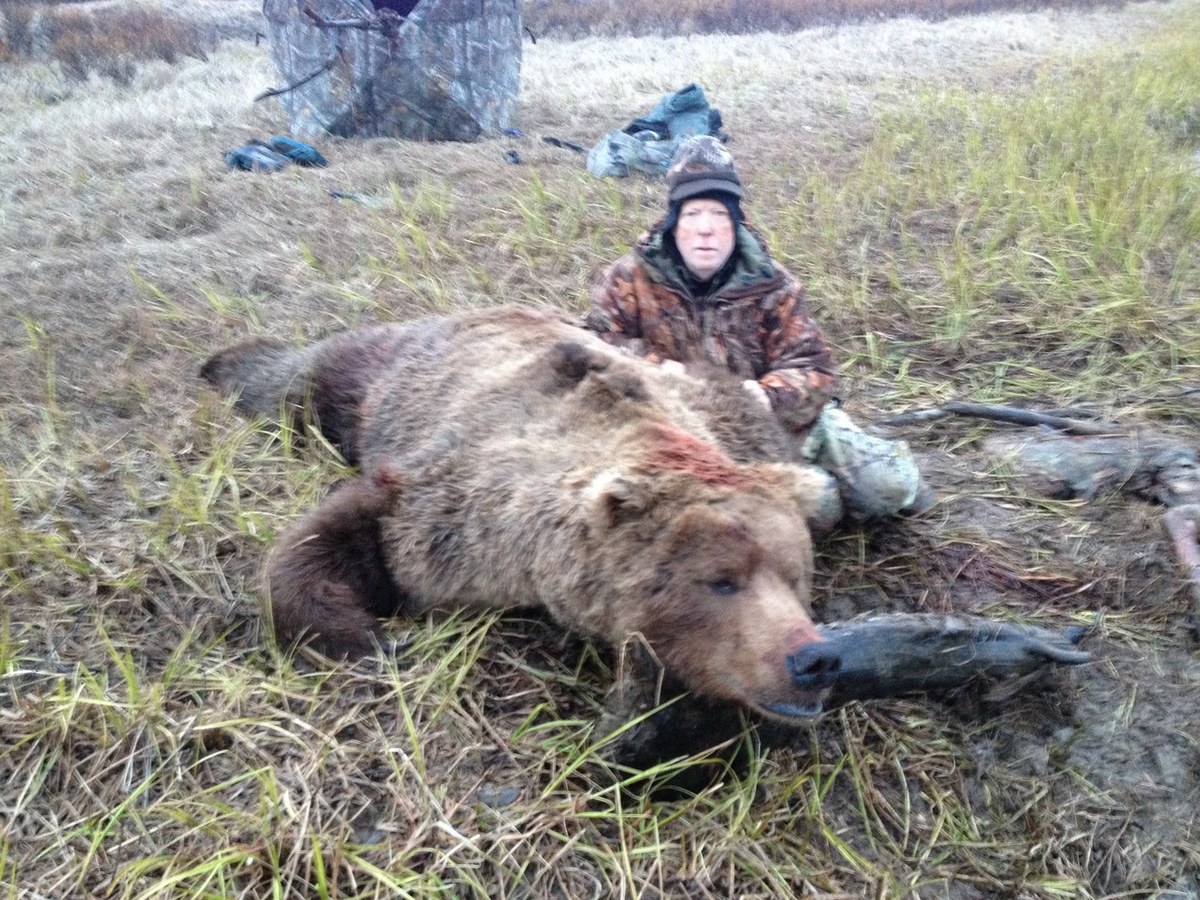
[{"x": 510, "y": 458}]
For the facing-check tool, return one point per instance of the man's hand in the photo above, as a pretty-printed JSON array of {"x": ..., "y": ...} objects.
[{"x": 755, "y": 390}]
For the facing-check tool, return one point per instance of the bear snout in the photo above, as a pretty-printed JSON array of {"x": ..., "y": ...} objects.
[{"x": 814, "y": 667}]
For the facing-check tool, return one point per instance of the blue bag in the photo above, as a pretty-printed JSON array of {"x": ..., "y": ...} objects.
[{"x": 297, "y": 152}]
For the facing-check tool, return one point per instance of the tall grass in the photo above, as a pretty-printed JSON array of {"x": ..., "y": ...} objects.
[{"x": 1051, "y": 228}]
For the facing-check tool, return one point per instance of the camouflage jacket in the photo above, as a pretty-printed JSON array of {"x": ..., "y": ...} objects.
[{"x": 756, "y": 323}]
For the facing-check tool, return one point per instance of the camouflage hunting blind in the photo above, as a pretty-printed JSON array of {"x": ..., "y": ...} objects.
[{"x": 417, "y": 69}]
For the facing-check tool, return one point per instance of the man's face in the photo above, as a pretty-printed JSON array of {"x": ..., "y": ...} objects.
[{"x": 704, "y": 235}]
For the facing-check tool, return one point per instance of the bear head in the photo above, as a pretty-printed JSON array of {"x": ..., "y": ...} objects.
[{"x": 720, "y": 579}]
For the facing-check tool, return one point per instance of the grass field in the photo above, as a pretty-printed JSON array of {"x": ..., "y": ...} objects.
[
  {"x": 583, "y": 18},
  {"x": 1003, "y": 207}
]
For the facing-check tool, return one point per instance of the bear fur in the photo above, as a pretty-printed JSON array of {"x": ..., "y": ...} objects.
[{"x": 508, "y": 457}]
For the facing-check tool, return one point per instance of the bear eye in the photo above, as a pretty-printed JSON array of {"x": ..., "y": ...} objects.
[{"x": 724, "y": 587}]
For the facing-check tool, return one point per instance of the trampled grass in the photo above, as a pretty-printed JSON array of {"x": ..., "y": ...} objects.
[{"x": 1021, "y": 227}]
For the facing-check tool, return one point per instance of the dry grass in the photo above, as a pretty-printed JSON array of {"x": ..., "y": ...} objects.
[
  {"x": 1003, "y": 207},
  {"x": 580, "y": 18},
  {"x": 111, "y": 43}
]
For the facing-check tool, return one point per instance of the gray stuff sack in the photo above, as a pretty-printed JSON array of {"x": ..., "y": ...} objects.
[
  {"x": 647, "y": 144},
  {"x": 877, "y": 478},
  {"x": 619, "y": 155}
]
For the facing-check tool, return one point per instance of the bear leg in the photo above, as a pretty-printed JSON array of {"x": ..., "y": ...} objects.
[{"x": 326, "y": 577}]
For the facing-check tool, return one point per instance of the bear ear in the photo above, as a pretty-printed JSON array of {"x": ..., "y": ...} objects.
[
  {"x": 813, "y": 489},
  {"x": 572, "y": 361},
  {"x": 615, "y": 497}
]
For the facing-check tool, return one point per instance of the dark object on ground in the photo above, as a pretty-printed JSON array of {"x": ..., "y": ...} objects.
[
  {"x": 908, "y": 653},
  {"x": 882, "y": 656},
  {"x": 1009, "y": 414},
  {"x": 446, "y": 70},
  {"x": 255, "y": 156},
  {"x": 566, "y": 145},
  {"x": 298, "y": 152},
  {"x": 400, "y": 7},
  {"x": 512, "y": 157}
]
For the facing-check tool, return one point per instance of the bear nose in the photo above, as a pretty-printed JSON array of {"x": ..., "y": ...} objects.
[{"x": 814, "y": 666}]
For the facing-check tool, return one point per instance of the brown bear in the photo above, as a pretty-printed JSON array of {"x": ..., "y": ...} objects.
[{"x": 508, "y": 458}]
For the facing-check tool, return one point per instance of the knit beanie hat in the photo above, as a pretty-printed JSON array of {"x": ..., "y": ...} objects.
[{"x": 701, "y": 165}]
